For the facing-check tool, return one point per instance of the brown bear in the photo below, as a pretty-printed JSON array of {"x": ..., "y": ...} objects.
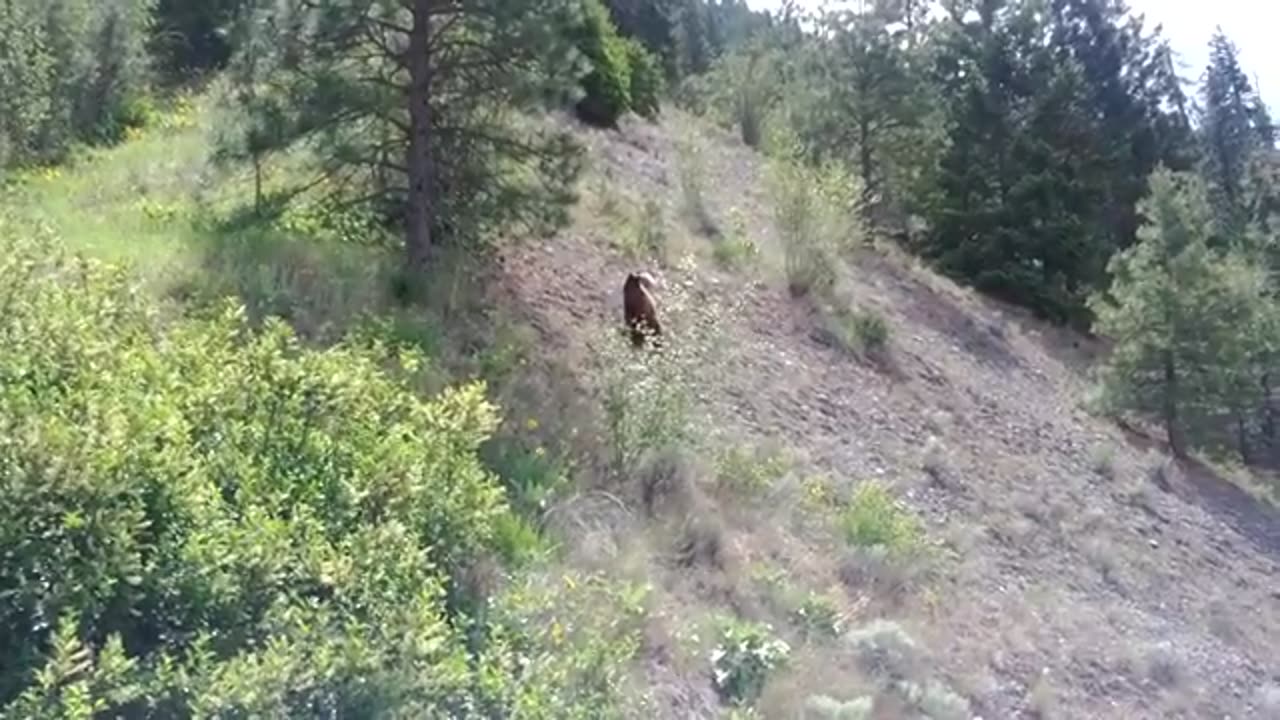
[{"x": 638, "y": 307}]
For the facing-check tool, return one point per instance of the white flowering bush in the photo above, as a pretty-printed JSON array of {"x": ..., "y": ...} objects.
[
  {"x": 742, "y": 662},
  {"x": 818, "y": 617},
  {"x": 822, "y": 707}
]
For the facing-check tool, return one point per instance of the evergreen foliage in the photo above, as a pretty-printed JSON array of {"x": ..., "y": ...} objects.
[
  {"x": 646, "y": 80},
  {"x": 1189, "y": 321},
  {"x": 1055, "y": 120},
  {"x": 1237, "y": 131},
  {"x": 607, "y": 87},
  {"x": 875, "y": 108},
  {"x": 192, "y": 37},
  {"x": 420, "y": 118},
  {"x": 687, "y": 35}
]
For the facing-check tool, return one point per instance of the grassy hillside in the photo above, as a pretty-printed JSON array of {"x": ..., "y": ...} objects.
[{"x": 885, "y": 499}]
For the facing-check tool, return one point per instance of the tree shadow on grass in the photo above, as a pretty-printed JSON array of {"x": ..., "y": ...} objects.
[{"x": 322, "y": 286}]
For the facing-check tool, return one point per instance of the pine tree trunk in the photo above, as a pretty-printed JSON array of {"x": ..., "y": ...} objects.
[
  {"x": 1242, "y": 437},
  {"x": 421, "y": 207},
  {"x": 1268, "y": 410},
  {"x": 865, "y": 161},
  {"x": 1171, "y": 426}
]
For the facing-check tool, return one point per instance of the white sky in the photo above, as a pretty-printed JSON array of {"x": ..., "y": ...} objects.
[{"x": 1253, "y": 25}]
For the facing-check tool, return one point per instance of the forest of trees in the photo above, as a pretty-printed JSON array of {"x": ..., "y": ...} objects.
[
  {"x": 1053, "y": 154},
  {"x": 224, "y": 525}
]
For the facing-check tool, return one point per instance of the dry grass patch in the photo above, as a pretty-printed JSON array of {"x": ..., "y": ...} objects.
[
  {"x": 1102, "y": 458},
  {"x": 862, "y": 332},
  {"x": 693, "y": 188},
  {"x": 749, "y": 471},
  {"x": 1042, "y": 699}
]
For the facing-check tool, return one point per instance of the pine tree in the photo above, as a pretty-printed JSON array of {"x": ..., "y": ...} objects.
[
  {"x": 1130, "y": 87},
  {"x": 1019, "y": 175},
  {"x": 192, "y": 37},
  {"x": 1188, "y": 321},
  {"x": 692, "y": 50},
  {"x": 1057, "y": 111},
  {"x": 876, "y": 107},
  {"x": 416, "y": 106},
  {"x": 260, "y": 122},
  {"x": 1236, "y": 128}
]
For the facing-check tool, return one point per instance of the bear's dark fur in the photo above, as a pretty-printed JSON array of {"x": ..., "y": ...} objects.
[{"x": 638, "y": 307}]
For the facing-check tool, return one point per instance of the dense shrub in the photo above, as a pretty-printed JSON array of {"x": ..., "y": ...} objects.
[
  {"x": 607, "y": 87},
  {"x": 858, "y": 330},
  {"x": 70, "y": 71},
  {"x": 646, "y": 79},
  {"x": 742, "y": 662},
  {"x": 815, "y": 208},
  {"x": 875, "y": 518},
  {"x": 649, "y": 399},
  {"x": 192, "y": 37},
  {"x": 203, "y": 519}
]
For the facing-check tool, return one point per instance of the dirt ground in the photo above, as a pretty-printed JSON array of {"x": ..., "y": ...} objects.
[{"x": 1086, "y": 577}]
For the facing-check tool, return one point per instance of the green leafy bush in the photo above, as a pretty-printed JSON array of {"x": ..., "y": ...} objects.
[
  {"x": 649, "y": 399},
  {"x": 816, "y": 214},
  {"x": 742, "y": 662},
  {"x": 860, "y": 331},
  {"x": 607, "y": 87},
  {"x": 203, "y": 519},
  {"x": 748, "y": 471},
  {"x": 875, "y": 518},
  {"x": 818, "y": 617},
  {"x": 71, "y": 71}
]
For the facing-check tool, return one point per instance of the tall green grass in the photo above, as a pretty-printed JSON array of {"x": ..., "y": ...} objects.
[{"x": 158, "y": 204}]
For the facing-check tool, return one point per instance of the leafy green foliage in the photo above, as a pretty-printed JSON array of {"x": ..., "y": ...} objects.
[
  {"x": 624, "y": 75},
  {"x": 815, "y": 211},
  {"x": 749, "y": 472},
  {"x": 558, "y": 646},
  {"x": 530, "y": 475},
  {"x": 740, "y": 90},
  {"x": 818, "y": 617},
  {"x": 70, "y": 71},
  {"x": 743, "y": 660},
  {"x": 213, "y": 520},
  {"x": 607, "y": 87},
  {"x": 874, "y": 517},
  {"x": 471, "y": 160}
]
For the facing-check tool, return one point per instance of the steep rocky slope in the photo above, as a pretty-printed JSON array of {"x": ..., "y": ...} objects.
[{"x": 1081, "y": 575}]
